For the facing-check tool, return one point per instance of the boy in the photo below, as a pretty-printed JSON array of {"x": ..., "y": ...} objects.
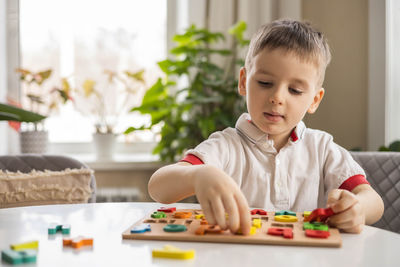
[{"x": 271, "y": 160}]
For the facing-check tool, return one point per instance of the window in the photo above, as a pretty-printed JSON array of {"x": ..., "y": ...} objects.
[{"x": 82, "y": 39}]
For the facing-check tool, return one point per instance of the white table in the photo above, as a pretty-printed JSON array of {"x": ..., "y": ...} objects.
[{"x": 105, "y": 222}]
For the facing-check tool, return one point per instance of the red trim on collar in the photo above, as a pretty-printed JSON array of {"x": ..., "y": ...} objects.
[
  {"x": 353, "y": 181},
  {"x": 192, "y": 159},
  {"x": 293, "y": 135}
]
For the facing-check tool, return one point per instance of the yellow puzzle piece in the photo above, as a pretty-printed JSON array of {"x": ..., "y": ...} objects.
[
  {"x": 257, "y": 223},
  {"x": 199, "y": 216},
  {"x": 253, "y": 230},
  {"x": 172, "y": 252},
  {"x": 26, "y": 245},
  {"x": 285, "y": 218}
]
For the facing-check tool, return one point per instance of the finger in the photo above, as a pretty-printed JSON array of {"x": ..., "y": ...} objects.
[
  {"x": 219, "y": 212},
  {"x": 233, "y": 212},
  {"x": 350, "y": 217},
  {"x": 346, "y": 201},
  {"x": 208, "y": 213},
  {"x": 244, "y": 213},
  {"x": 334, "y": 196}
]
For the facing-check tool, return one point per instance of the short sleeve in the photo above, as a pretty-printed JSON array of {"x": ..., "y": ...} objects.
[
  {"x": 214, "y": 150},
  {"x": 340, "y": 169}
]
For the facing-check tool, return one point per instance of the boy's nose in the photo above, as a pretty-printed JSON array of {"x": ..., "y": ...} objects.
[{"x": 276, "y": 97}]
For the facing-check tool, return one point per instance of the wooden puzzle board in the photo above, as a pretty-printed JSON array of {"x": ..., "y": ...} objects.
[{"x": 261, "y": 236}]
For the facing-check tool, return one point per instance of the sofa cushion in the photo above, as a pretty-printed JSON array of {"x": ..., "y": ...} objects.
[{"x": 44, "y": 187}]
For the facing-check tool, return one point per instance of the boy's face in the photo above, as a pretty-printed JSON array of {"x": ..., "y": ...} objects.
[{"x": 280, "y": 88}]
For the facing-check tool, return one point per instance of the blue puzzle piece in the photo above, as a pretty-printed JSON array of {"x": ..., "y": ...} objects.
[
  {"x": 141, "y": 228},
  {"x": 18, "y": 257}
]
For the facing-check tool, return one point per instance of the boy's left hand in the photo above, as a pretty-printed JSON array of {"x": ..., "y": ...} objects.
[{"x": 349, "y": 214}]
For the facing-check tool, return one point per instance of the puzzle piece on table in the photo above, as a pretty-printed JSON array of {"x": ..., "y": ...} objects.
[
  {"x": 65, "y": 229},
  {"x": 172, "y": 252},
  {"x": 19, "y": 257},
  {"x": 166, "y": 209},
  {"x": 208, "y": 229},
  {"x": 257, "y": 223},
  {"x": 319, "y": 215},
  {"x": 199, "y": 216},
  {"x": 25, "y": 245},
  {"x": 285, "y": 232},
  {"x": 253, "y": 231},
  {"x": 141, "y": 228},
  {"x": 77, "y": 242},
  {"x": 258, "y": 211}
]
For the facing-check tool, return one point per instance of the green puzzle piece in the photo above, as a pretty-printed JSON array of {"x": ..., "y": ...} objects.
[
  {"x": 315, "y": 226},
  {"x": 285, "y": 212},
  {"x": 175, "y": 228},
  {"x": 158, "y": 214},
  {"x": 18, "y": 257}
]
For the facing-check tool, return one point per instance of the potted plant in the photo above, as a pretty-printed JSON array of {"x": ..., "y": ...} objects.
[
  {"x": 105, "y": 101},
  {"x": 40, "y": 98},
  {"x": 12, "y": 113},
  {"x": 208, "y": 103}
]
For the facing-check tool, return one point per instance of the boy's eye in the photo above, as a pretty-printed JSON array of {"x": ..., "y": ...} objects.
[
  {"x": 265, "y": 84},
  {"x": 295, "y": 91}
]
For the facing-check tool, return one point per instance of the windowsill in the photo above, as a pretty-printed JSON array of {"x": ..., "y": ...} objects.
[{"x": 121, "y": 162}]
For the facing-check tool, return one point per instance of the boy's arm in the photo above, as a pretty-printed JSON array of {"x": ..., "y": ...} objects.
[
  {"x": 354, "y": 209},
  {"x": 217, "y": 193}
]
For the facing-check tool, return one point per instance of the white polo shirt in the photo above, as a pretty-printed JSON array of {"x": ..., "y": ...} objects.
[{"x": 298, "y": 178}]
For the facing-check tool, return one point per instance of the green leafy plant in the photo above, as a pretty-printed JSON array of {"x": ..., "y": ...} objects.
[
  {"x": 394, "y": 146},
  {"x": 208, "y": 103},
  {"x": 12, "y": 113}
]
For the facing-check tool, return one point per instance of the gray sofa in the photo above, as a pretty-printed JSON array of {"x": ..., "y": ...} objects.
[
  {"x": 27, "y": 162},
  {"x": 383, "y": 173}
]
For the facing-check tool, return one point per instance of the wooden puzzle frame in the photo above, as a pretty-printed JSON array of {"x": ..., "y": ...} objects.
[{"x": 260, "y": 237}]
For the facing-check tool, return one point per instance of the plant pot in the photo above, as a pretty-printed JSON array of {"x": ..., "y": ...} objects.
[
  {"x": 33, "y": 141},
  {"x": 104, "y": 145}
]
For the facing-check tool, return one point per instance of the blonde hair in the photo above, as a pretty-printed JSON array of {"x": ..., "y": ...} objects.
[{"x": 293, "y": 36}]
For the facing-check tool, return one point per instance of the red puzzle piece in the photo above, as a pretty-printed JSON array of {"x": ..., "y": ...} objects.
[
  {"x": 258, "y": 211},
  {"x": 317, "y": 233},
  {"x": 285, "y": 232},
  {"x": 319, "y": 215},
  {"x": 165, "y": 209}
]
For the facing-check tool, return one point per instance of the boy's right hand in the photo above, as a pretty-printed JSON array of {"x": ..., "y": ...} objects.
[{"x": 218, "y": 194}]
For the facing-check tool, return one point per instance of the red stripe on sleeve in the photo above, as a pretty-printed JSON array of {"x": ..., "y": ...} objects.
[
  {"x": 192, "y": 159},
  {"x": 353, "y": 181}
]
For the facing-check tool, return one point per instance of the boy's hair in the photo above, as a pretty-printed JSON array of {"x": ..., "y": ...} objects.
[{"x": 297, "y": 37}]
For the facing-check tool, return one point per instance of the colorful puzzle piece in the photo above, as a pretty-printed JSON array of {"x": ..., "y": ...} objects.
[
  {"x": 18, "y": 257},
  {"x": 285, "y": 212},
  {"x": 173, "y": 253},
  {"x": 158, "y": 214},
  {"x": 253, "y": 231},
  {"x": 315, "y": 226},
  {"x": 175, "y": 228},
  {"x": 257, "y": 223},
  {"x": 258, "y": 211},
  {"x": 199, "y": 216},
  {"x": 285, "y": 232},
  {"x": 317, "y": 233},
  {"x": 285, "y": 218},
  {"x": 182, "y": 215},
  {"x": 26, "y": 245},
  {"x": 208, "y": 229},
  {"x": 141, "y": 228},
  {"x": 63, "y": 228},
  {"x": 319, "y": 215},
  {"x": 166, "y": 209},
  {"x": 77, "y": 242}
]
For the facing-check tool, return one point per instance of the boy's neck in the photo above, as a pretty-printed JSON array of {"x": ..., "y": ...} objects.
[{"x": 280, "y": 142}]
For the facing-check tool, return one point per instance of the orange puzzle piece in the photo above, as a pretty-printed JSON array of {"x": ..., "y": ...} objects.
[
  {"x": 182, "y": 215},
  {"x": 208, "y": 229},
  {"x": 77, "y": 242}
]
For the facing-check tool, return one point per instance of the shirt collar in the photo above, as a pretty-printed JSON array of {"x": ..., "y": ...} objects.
[{"x": 255, "y": 135}]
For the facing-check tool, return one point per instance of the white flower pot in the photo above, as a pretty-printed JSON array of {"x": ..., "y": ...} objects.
[
  {"x": 33, "y": 141},
  {"x": 104, "y": 145}
]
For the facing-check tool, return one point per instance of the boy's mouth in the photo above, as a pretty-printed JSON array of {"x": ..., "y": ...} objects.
[{"x": 273, "y": 116}]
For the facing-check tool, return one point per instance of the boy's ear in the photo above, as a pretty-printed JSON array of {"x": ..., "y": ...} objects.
[
  {"x": 242, "y": 81},
  {"x": 317, "y": 99}
]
